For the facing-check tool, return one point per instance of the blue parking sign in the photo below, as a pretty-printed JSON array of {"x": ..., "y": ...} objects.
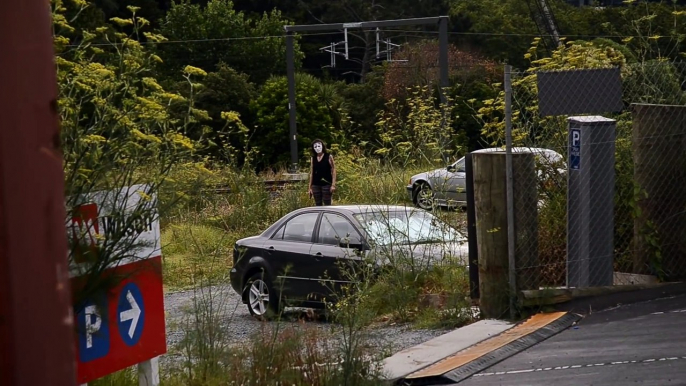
[
  {"x": 575, "y": 149},
  {"x": 93, "y": 329}
]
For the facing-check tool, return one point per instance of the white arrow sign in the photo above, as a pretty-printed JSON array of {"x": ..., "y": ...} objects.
[{"x": 133, "y": 314}]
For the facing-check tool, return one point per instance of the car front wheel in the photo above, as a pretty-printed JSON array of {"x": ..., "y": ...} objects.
[
  {"x": 261, "y": 298},
  {"x": 423, "y": 196}
]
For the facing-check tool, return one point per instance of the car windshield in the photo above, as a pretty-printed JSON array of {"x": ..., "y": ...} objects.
[
  {"x": 407, "y": 227},
  {"x": 460, "y": 165}
]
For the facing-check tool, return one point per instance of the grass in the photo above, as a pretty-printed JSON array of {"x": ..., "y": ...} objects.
[
  {"x": 197, "y": 241},
  {"x": 212, "y": 223},
  {"x": 181, "y": 261},
  {"x": 217, "y": 221},
  {"x": 289, "y": 356},
  {"x": 126, "y": 377},
  {"x": 285, "y": 354}
]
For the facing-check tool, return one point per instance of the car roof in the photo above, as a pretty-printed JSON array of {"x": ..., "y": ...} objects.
[
  {"x": 518, "y": 149},
  {"x": 357, "y": 208},
  {"x": 549, "y": 154},
  {"x": 347, "y": 209}
]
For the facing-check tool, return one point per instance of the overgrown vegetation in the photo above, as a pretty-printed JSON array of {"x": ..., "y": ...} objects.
[{"x": 191, "y": 101}]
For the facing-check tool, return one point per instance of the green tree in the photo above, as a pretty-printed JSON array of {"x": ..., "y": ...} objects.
[
  {"x": 411, "y": 131},
  {"x": 116, "y": 131},
  {"x": 217, "y": 33},
  {"x": 226, "y": 90},
  {"x": 507, "y": 26},
  {"x": 271, "y": 132},
  {"x": 651, "y": 30},
  {"x": 362, "y": 103},
  {"x": 503, "y": 29}
]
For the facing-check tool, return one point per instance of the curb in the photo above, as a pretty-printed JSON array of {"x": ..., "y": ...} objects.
[
  {"x": 589, "y": 304},
  {"x": 478, "y": 357},
  {"x": 413, "y": 359}
]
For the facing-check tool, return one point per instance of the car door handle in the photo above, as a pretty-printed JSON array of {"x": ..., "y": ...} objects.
[
  {"x": 270, "y": 249},
  {"x": 317, "y": 255}
]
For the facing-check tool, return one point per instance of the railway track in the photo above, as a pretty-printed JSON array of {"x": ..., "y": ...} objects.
[{"x": 269, "y": 185}]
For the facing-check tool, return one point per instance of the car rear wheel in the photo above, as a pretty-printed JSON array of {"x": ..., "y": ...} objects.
[
  {"x": 423, "y": 196},
  {"x": 261, "y": 298}
]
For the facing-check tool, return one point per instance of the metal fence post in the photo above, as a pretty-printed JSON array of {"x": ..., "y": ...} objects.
[
  {"x": 290, "y": 73},
  {"x": 444, "y": 82},
  {"x": 510, "y": 192}
]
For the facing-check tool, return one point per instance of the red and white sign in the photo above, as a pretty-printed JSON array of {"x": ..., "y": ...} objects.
[{"x": 120, "y": 315}]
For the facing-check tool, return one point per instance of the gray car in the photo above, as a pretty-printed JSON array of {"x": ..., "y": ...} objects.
[{"x": 446, "y": 187}]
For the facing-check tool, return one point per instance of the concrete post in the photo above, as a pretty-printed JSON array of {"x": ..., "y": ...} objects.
[{"x": 590, "y": 201}]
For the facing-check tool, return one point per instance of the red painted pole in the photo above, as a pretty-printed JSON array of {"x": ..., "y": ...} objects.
[{"x": 36, "y": 328}]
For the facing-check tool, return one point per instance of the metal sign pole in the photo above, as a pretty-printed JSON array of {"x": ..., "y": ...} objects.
[
  {"x": 510, "y": 192},
  {"x": 290, "y": 73}
]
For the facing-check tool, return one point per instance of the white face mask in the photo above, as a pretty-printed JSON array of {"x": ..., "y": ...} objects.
[{"x": 318, "y": 148}]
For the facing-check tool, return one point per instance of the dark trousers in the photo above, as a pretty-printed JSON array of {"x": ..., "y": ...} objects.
[{"x": 322, "y": 194}]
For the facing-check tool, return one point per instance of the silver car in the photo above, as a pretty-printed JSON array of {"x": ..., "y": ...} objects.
[{"x": 446, "y": 187}]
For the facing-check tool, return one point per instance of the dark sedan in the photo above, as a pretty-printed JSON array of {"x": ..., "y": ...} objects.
[{"x": 297, "y": 261}]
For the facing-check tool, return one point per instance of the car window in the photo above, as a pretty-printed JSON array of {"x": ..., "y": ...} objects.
[
  {"x": 407, "y": 227},
  {"x": 460, "y": 165},
  {"x": 335, "y": 228},
  {"x": 299, "y": 228},
  {"x": 278, "y": 235}
]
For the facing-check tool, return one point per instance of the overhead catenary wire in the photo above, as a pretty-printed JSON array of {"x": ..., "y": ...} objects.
[
  {"x": 410, "y": 33},
  {"x": 465, "y": 33},
  {"x": 183, "y": 41}
]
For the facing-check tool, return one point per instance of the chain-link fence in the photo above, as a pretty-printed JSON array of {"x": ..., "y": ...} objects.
[{"x": 611, "y": 189}]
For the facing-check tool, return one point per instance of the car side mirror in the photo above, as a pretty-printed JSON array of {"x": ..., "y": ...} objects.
[{"x": 451, "y": 168}]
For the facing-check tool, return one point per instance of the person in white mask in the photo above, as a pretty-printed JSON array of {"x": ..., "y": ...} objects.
[{"x": 322, "y": 174}]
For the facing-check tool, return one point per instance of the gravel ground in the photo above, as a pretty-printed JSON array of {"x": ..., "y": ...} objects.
[{"x": 239, "y": 325}]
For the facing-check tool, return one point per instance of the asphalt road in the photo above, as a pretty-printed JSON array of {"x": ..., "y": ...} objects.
[{"x": 642, "y": 343}]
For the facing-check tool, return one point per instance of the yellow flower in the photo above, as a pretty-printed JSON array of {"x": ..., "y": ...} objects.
[
  {"x": 182, "y": 140},
  {"x": 230, "y": 116},
  {"x": 144, "y": 195},
  {"x": 121, "y": 22},
  {"x": 92, "y": 138},
  {"x": 152, "y": 83},
  {"x": 190, "y": 70},
  {"x": 60, "y": 41},
  {"x": 172, "y": 97},
  {"x": 147, "y": 137}
]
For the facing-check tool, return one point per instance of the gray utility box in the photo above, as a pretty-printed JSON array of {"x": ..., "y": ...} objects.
[{"x": 590, "y": 201}]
